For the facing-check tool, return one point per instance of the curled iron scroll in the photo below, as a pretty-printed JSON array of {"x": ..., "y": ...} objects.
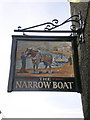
[{"x": 55, "y": 23}]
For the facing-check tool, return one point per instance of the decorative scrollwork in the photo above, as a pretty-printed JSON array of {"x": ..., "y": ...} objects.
[
  {"x": 54, "y": 24},
  {"x": 73, "y": 27},
  {"x": 76, "y": 27},
  {"x": 55, "y": 21}
]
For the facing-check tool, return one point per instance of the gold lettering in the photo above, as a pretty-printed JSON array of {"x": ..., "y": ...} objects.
[
  {"x": 18, "y": 84},
  {"x": 29, "y": 84},
  {"x": 54, "y": 84},
  {"x": 47, "y": 84},
  {"x": 45, "y": 79},
  {"x": 60, "y": 85},
  {"x": 70, "y": 84},
  {"x": 65, "y": 85},
  {"x": 44, "y": 84},
  {"x": 24, "y": 85},
  {"x": 40, "y": 84},
  {"x": 35, "y": 85}
]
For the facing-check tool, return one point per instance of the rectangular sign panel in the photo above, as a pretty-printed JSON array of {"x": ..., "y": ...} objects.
[{"x": 44, "y": 63}]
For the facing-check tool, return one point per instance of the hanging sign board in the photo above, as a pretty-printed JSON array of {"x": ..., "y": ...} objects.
[{"x": 44, "y": 63}]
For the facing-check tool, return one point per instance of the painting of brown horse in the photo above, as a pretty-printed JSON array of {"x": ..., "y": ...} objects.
[{"x": 37, "y": 57}]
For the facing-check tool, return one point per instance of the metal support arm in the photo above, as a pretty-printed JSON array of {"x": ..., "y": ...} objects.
[{"x": 77, "y": 27}]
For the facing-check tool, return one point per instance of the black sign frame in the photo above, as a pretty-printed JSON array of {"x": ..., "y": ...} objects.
[{"x": 64, "y": 84}]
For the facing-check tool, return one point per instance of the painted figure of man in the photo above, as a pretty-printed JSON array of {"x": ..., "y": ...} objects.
[
  {"x": 23, "y": 59},
  {"x": 70, "y": 60}
]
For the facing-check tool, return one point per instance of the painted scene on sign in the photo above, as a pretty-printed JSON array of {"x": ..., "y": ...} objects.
[{"x": 44, "y": 59}]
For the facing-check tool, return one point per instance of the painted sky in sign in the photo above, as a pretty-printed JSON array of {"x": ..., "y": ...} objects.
[{"x": 32, "y": 104}]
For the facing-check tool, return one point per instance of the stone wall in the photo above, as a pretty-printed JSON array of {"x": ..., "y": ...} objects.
[{"x": 84, "y": 55}]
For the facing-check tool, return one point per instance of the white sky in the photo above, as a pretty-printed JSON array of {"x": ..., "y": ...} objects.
[{"x": 14, "y": 13}]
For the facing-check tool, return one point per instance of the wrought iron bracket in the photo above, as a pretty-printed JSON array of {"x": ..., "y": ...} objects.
[{"x": 76, "y": 29}]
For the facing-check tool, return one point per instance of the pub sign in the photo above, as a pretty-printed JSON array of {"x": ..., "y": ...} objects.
[{"x": 44, "y": 63}]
